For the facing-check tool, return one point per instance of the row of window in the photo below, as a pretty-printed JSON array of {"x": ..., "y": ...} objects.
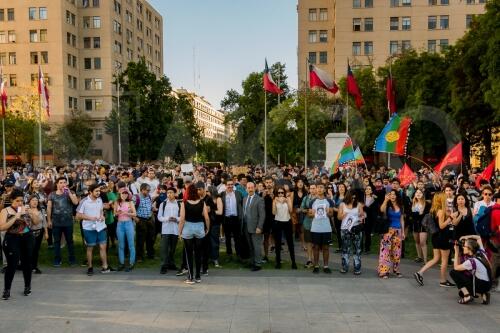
[
  {"x": 35, "y": 58},
  {"x": 91, "y": 22},
  {"x": 313, "y": 14},
  {"x": 39, "y": 13},
  {"x": 10, "y": 14},
  {"x": 408, "y": 3},
  {"x": 323, "y": 57},
  {"x": 12, "y": 79}
]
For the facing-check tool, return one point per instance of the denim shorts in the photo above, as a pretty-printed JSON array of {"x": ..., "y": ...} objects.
[
  {"x": 93, "y": 237},
  {"x": 193, "y": 229}
]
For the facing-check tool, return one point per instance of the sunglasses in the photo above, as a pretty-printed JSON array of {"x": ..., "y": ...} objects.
[
  {"x": 488, "y": 194},
  {"x": 281, "y": 192}
]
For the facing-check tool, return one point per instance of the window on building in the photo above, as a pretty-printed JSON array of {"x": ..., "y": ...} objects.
[
  {"x": 68, "y": 59},
  {"x": 13, "y": 80},
  {"x": 75, "y": 62},
  {"x": 313, "y": 14},
  {"x": 394, "y": 25},
  {"x": 98, "y": 84},
  {"x": 95, "y": 3},
  {"x": 323, "y": 57},
  {"x": 130, "y": 54},
  {"x": 356, "y": 24},
  {"x": 405, "y": 2},
  {"x": 86, "y": 42},
  {"x": 98, "y": 104},
  {"x": 313, "y": 36},
  {"x": 118, "y": 7},
  {"x": 139, "y": 7},
  {"x": 88, "y": 105},
  {"x": 393, "y": 47},
  {"x": 43, "y": 35},
  {"x": 3, "y": 58},
  {"x": 312, "y": 57},
  {"x": 97, "y": 63},
  {"x": 406, "y": 23},
  {"x": 445, "y": 2},
  {"x": 42, "y": 13},
  {"x": 356, "y": 3},
  {"x": 139, "y": 25},
  {"x": 323, "y": 36},
  {"x": 70, "y": 85},
  {"x": 431, "y": 22},
  {"x": 34, "y": 58},
  {"x": 431, "y": 46},
  {"x": 2, "y": 14},
  {"x": 99, "y": 134},
  {"x": 12, "y": 36},
  {"x": 96, "y": 22},
  {"x": 148, "y": 32},
  {"x": 44, "y": 55},
  {"x": 33, "y": 36},
  {"x": 356, "y": 48},
  {"x": 323, "y": 14},
  {"x": 368, "y": 24},
  {"x": 3, "y": 37},
  {"x": 97, "y": 42},
  {"x": 12, "y": 58},
  {"x": 444, "y": 22},
  {"x": 128, "y": 16},
  {"x": 405, "y": 45},
  {"x": 86, "y": 22},
  {"x": 118, "y": 47},
  {"x": 443, "y": 44},
  {"x": 73, "y": 40},
  {"x": 87, "y": 63},
  {"x": 368, "y": 3},
  {"x": 10, "y": 14},
  {"x": 117, "y": 27},
  {"x": 88, "y": 84},
  {"x": 32, "y": 13},
  {"x": 395, "y": 3},
  {"x": 368, "y": 48},
  {"x": 468, "y": 20}
]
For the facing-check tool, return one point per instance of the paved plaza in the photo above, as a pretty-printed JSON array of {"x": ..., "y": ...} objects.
[{"x": 66, "y": 300}]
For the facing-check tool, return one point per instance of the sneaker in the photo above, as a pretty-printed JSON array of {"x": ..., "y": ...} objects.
[
  {"x": 90, "y": 271},
  {"x": 37, "y": 271},
  {"x": 111, "y": 269},
  {"x": 327, "y": 270},
  {"x": 181, "y": 272},
  {"x": 57, "y": 264},
  {"x": 27, "y": 291},
  {"x": 216, "y": 264},
  {"x": 308, "y": 264},
  {"x": 343, "y": 270},
  {"x": 189, "y": 281},
  {"x": 446, "y": 284},
  {"x": 419, "y": 278},
  {"x": 6, "y": 294},
  {"x": 197, "y": 280},
  {"x": 121, "y": 268},
  {"x": 316, "y": 270},
  {"x": 129, "y": 268},
  {"x": 357, "y": 272},
  {"x": 163, "y": 270},
  {"x": 205, "y": 273},
  {"x": 105, "y": 270}
]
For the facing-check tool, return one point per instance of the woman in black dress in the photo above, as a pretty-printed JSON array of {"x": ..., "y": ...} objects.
[{"x": 462, "y": 217}]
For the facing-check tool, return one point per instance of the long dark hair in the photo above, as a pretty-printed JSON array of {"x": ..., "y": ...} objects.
[
  {"x": 399, "y": 201},
  {"x": 465, "y": 196},
  {"x": 351, "y": 198}
]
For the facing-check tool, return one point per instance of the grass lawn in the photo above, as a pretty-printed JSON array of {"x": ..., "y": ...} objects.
[{"x": 227, "y": 262}]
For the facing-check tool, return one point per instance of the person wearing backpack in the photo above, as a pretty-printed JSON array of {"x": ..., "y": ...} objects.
[
  {"x": 168, "y": 215},
  {"x": 473, "y": 275}
]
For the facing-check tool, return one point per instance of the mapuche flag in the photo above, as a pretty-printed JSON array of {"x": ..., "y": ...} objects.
[
  {"x": 43, "y": 91},
  {"x": 394, "y": 136},
  {"x": 391, "y": 95},
  {"x": 320, "y": 78},
  {"x": 453, "y": 157},
  {"x": 406, "y": 175},
  {"x": 3, "y": 94},
  {"x": 352, "y": 88},
  {"x": 345, "y": 155},
  {"x": 269, "y": 84}
]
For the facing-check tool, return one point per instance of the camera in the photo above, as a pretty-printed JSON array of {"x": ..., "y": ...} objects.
[{"x": 460, "y": 242}]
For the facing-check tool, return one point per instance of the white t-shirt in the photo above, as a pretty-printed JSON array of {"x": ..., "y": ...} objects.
[
  {"x": 321, "y": 221},
  {"x": 91, "y": 207},
  {"x": 351, "y": 217},
  {"x": 481, "y": 272}
]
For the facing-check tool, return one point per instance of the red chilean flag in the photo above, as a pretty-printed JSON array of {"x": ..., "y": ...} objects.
[
  {"x": 486, "y": 174},
  {"x": 3, "y": 94},
  {"x": 269, "y": 84},
  {"x": 320, "y": 78},
  {"x": 406, "y": 175},
  {"x": 352, "y": 87},
  {"x": 453, "y": 157},
  {"x": 391, "y": 95}
]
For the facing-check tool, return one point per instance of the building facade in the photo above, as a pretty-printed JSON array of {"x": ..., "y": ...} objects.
[
  {"x": 209, "y": 119},
  {"x": 369, "y": 32},
  {"x": 80, "y": 45}
]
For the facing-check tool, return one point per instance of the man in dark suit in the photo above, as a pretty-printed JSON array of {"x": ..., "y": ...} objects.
[
  {"x": 231, "y": 201},
  {"x": 254, "y": 214}
]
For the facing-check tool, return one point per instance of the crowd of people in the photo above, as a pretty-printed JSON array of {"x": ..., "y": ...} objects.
[{"x": 252, "y": 213}]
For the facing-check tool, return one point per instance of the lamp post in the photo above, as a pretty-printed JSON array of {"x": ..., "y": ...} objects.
[{"x": 118, "y": 68}]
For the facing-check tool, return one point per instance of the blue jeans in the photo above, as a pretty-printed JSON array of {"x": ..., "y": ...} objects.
[
  {"x": 68, "y": 235},
  {"x": 125, "y": 231},
  {"x": 351, "y": 242}
]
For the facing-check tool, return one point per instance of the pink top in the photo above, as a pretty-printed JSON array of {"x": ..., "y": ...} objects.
[{"x": 124, "y": 208}]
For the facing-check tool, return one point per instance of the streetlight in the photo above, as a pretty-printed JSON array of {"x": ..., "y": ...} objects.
[{"x": 118, "y": 68}]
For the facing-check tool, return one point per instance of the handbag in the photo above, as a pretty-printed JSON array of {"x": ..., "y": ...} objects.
[
  {"x": 381, "y": 225},
  {"x": 358, "y": 228},
  {"x": 429, "y": 224}
]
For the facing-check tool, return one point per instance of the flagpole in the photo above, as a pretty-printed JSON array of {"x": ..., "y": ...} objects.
[
  {"x": 347, "y": 105},
  {"x": 389, "y": 110},
  {"x": 40, "y": 158},
  {"x": 265, "y": 131},
  {"x": 420, "y": 161},
  {"x": 305, "y": 115},
  {"x": 4, "y": 162}
]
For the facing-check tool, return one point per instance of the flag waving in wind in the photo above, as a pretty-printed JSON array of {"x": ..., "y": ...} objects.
[
  {"x": 406, "y": 175},
  {"x": 453, "y": 157},
  {"x": 3, "y": 94},
  {"x": 391, "y": 95},
  {"x": 43, "y": 91},
  {"x": 394, "y": 136},
  {"x": 352, "y": 87},
  {"x": 269, "y": 84},
  {"x": 320, "y": 78}
]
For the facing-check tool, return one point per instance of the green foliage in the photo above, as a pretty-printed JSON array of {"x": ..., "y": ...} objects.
[
  {"x": 21, "y": 135},
  {"x": 213, "y": 151},
  {"x": 72, "y": 140}
]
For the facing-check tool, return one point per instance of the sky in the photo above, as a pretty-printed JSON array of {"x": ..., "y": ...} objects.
[{"x": 229, "y": 39}]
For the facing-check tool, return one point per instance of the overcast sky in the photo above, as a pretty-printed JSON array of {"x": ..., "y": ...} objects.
[{"x": 230, "y": 39}]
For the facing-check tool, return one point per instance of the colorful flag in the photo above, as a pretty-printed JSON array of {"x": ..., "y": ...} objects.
[
  {"x": 347, "y": 152},
  {"x": 394, "y": 136},
  {"x": 335, "y": 165},
  {"x": 358, "y": 157},
  {"x": 43, "y": 91},
  {"x": 391, "y": 95},
  {"x": 406, "y": 175},
  {"x": 3, "y": 94},
  {"x": 486, "y": 174},
  {"x": 453, "y": 157},
  {"x": 352, "y": 87},
  {"x": 320, "y": 78},
  {"x": 269, "y": 84}
]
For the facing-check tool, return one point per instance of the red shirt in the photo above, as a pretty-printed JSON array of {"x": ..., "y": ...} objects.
[{"x": 495, "y": 223}]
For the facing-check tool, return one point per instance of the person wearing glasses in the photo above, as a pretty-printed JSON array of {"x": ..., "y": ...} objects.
[
  {"x": 282, "y": 208},
  {"x": 480, "y": 206}
]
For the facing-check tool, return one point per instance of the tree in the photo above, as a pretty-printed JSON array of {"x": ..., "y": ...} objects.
[{"x": 72, "y": 140}]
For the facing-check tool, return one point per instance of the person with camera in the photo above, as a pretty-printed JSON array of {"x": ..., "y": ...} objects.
[
  {"x": 473, "y": 274},
  {"x": 351, "y": 214}
]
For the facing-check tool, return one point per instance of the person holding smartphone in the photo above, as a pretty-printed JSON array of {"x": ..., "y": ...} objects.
[{"x": 124, "y": 210}]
